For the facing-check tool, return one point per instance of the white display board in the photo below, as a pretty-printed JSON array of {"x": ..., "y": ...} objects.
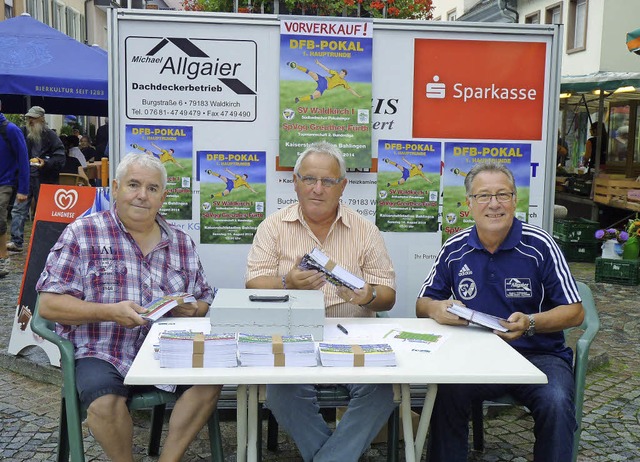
[{"x": 215, "y": 77}]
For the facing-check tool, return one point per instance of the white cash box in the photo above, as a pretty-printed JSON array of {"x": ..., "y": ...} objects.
[{"x": 249, "y": 311}]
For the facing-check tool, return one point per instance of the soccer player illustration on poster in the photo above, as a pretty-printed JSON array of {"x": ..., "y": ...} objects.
[
  {"x": 166, "y": 155},
  {"x": 232, "y": 183},
  {"x": 324, "y": 83},
  {"x": 407, "y": 173}
]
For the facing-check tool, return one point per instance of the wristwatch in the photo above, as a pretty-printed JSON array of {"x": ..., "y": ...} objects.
[
  {"x": 532, "y": 327},
  {"x": 373, "y": 297}
]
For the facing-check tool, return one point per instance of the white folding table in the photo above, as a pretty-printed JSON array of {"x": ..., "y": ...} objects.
[{"x": 469, "y": 355}]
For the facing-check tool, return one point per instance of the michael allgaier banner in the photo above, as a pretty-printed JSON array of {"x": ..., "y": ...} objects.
[{"x": 325, "y": 87}]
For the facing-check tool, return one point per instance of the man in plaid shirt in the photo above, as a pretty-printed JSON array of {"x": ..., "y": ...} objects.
[{"x": 99, "y": 274}]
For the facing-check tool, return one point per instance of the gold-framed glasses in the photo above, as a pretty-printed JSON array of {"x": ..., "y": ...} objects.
[
  {"x": 326, "y": 182},
  {"x": 486, "y": 198}
]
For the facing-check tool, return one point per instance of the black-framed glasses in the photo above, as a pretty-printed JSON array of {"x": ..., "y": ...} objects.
[
  {"x": 486, "y": 198},
  {"x": 326, "y": 182}
]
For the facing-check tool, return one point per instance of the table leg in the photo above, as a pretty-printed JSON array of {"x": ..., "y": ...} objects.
[
  {"x": 242, "y": 423},
  {"x": 425, "y": 418},
  {"x": 407, "y": 425},
  {"x": 252, "y": 430}
]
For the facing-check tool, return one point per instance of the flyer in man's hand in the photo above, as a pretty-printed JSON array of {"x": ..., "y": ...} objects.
[
  {"x": 334, "y": 273},
  {"x": 160, "y": 306},
  {"x": 478, "y": 317}
]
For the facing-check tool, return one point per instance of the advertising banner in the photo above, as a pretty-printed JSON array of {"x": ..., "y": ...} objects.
[
  {"x": 232, "y": 195},
  {"x": 325, "y": 87},
  {"x": 469, "y": 89},
  {"x": 173, "y": 146},
  {"x": 179, "y": 78},
  {"x": 414, "y": 93},
  {"x": 460, "y": 158},
  {"x": 408, "y": 186}
]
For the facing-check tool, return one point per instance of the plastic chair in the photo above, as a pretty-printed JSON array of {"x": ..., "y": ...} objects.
[
  {"x": 72, "y": 179},
  {"x": 590, "y": 327},
  {"x": 71, "y": 413}
]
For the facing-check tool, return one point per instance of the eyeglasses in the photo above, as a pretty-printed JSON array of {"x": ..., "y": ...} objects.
[
  {"x": 326, "y": 182},
  {"x": 486, "y": 198}
]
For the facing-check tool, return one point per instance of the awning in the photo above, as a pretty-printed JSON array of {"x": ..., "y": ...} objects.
[
  {"x": 633, "y": 41},
  {"x": 607, "y": 81}
]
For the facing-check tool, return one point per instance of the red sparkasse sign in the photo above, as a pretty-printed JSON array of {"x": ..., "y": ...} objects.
[{"x": 468, "y": 89}]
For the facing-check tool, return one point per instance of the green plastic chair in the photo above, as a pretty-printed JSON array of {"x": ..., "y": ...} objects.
[
  {"x": 70, "y": 441},
  {"x": 590, "y": 327}
]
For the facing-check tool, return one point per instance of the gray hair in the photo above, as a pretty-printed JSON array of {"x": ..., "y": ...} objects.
[
  {"x": 492, "y": 167},
  {"x": 326, "y": 148},
  {"x": 143, "y": 160}
]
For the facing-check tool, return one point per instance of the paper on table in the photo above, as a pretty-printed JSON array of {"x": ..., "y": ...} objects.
[
  {"x": 478, "y": 317},
  {"x": 415, "y": 341},
  {"x": 357, "y": 332}
]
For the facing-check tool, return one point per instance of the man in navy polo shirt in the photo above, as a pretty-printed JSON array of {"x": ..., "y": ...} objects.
[{"x": 513, "y": 270}]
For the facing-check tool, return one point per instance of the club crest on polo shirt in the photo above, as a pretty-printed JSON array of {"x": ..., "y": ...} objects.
[
  {"x": 517, "y": 288},
  {"x": 467, "y": 289},
  {"x": 465, "y": 271}
]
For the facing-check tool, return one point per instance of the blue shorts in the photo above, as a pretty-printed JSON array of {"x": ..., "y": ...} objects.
[{"x": 96, "y": 378}]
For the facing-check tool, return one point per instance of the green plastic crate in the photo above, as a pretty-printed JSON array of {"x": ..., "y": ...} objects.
[
  {"x": 574, "y": 230},
  {"x": 625, "y": 272},
  {"x": 579, "y": 251}
]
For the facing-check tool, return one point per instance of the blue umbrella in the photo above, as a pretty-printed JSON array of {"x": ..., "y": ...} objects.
[{"x": 50, "y": 68}]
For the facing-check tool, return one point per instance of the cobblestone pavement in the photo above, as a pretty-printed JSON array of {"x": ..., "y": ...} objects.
[{"x": 29, "y": 402}]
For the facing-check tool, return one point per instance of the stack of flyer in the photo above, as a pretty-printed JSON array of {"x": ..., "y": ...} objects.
[
  {"x": 334, "y": 273},
  {"x": 277, "y": 350},
  {"x": 160, "y": 306},
  {"x": 193, "y": 349},
  {"x": 347, "y": 355}
]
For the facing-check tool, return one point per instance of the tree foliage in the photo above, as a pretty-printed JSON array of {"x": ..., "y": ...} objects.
[{"x": 398, "y": 9}]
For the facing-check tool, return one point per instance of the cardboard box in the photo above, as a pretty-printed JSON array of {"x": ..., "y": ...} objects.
[{"x": 303, "y": 313}]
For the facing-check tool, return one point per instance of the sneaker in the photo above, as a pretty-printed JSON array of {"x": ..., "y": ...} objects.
[
  {"x": 4, "y": 266},
  {"x": 297, "y": 100},
  {"x": 386, "y": 160},
  {"x": 292, "y": 64},
  {"x": 13, "y": 247}
]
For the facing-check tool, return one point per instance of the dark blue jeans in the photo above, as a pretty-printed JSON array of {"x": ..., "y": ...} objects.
[{"x": 552, "y": 407}]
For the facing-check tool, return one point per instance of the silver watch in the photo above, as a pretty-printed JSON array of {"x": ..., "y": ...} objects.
[
  {"x": 373, "y": 297},
  {"x": 532, "y": 327}
]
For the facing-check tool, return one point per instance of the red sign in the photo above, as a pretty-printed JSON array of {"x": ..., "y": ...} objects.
[
  {"x": 466, "y": 89},
  {"x": 63, "y": 203}
]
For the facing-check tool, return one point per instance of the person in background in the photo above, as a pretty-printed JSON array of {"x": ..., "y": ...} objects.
[
  {"x": 320, "y": 220},
  {"x": 74, "y": 151},
  {"x": 88, "y": 151},
  {"x": 592, "y": 144},
  {"x": 102, "y": 139},
  {"x": 97, "y": 278},
  {"x": 621, "y": 143},
  {"x": 14, "y": 173},
  {"x": 562, "y": 151},
  {"x": 516, "y": 271},
  {"x": 46, "y": 157}
]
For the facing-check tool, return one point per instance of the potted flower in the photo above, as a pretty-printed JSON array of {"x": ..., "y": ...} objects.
[
  {"x": 632, "y": 246},
  {"x": 612, "y": 242}
]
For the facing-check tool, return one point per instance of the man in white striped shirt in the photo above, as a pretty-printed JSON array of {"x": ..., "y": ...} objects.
[
  {"x": 515, "y": 271},
  {"x": 319, "y": 220}
]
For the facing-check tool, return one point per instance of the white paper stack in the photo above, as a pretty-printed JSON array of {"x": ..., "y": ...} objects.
[
  {"x": 191, "y": 349},
  {"x": 277, "y": 350},
  {"x": 347, "y": 355}
]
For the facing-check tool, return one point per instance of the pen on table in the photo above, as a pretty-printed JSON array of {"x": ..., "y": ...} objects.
[{"x": 342, "y": 328}]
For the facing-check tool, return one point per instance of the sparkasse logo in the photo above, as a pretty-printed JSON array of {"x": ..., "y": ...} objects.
[{"x": 478, "y": 89}]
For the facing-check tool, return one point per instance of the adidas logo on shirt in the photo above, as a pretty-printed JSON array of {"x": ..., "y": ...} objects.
[{"x": 465, "y": 271}]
